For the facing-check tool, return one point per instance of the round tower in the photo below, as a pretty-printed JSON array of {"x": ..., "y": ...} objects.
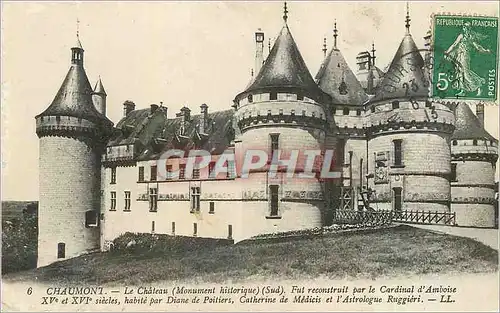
[
  {"x": 282, "y": 109},
  {"x": 347, "y": 133},
  {"x": 409, "y": 137},
  {"x": 72, "y": 134},
  {"x": 474, "y": 153}
]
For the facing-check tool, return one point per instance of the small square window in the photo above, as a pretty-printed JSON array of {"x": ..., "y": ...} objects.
[
  {"x": 273, "y": 96},
  {"x": 395, "y": 104},
  {"x": 300, "y": 96},
  {"x": 345, "y": 111}
]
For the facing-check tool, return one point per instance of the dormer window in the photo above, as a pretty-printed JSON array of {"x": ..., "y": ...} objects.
[
  {"x": 455, "y": 142},
  {"x": 300, "y": 96},
  {"x": 343, "y": 88},
  {"x": 273, "y": 96},
  {"x": 345, "y": 111}
]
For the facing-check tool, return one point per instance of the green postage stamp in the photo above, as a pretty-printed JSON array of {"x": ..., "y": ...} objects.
[{"x": 465, "y": 57}]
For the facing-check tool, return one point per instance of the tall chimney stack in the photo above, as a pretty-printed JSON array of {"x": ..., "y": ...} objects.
[
  {"x": 259, "y": 50},
  {"x": 204, "y": 118},
  {"x": 480, "y": 113},
  {"x": 128, "y": 106}
]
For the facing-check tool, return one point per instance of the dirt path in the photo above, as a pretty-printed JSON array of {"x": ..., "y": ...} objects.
[{"x": 487, "y": 236}]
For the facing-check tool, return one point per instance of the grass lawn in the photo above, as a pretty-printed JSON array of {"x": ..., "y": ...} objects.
[{"x": 401, "y": 250}]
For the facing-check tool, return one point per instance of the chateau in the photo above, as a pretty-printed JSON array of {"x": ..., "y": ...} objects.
[{"x": 391, "y": 141}]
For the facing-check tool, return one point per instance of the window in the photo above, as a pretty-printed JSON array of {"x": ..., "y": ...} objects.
[
  {"x": 453, "y": 176},
  {"x": 91, "y": 218},
  {"x": 211, "y": 209},
  {"x": 152, "y": 226},
  {"x": 398, "y": 201},
  {"x": 358, "y": 112},
  {"x": 127, "y": 201},
  {"x": 61, "y": 250},
  {"x": 398, "y": 153},
  {"x": 196, "y": 173},
  {"x": 372, "y": 109},
  {"x": 274, "y": 141},
  {"x": 113, "y": 175},
  {"x": 274, "y": 199},
  {"x": 153, "y": 173},
  {"x": 141, "y": 173},
  {"x": 345, "y": 111},
  {"x": 169, "y": 172},
  {"x": 395, "y": 104},
  {"x": 230, "y": 169},
  {"x": 195, "y": 199},
  {"x": 455, "y": 142},
  {"x": 182, "y": 171},
  {"x": 334, "y": 110},
  {"x": 273, "y": 96},
  {"x": 474, "y": 142},
  {"x": 195, "y": 229},
  {"x": 229, "y": 231},
  {"x": 153, "y": 199},
  {"x": 300, "y": 96},
  {"x": 113, "y": 201},
  {"x": 173, "y": 228},
  {"x": 250, "y": 98},
  {"x": 211, "y": 170}
]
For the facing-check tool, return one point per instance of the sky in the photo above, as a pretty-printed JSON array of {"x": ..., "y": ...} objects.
[{"x": 181, "y": 54}]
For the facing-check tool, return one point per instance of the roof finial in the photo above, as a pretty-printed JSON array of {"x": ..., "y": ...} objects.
[
  {"x": 285, "y": 13},
  {"x": 324, "y": 46},
  {"x": 407, "y": 21},
  {"x": 335, "y": 34},
  {"x": 373, "y": 53},
  {"x": 78, "y": 43}
]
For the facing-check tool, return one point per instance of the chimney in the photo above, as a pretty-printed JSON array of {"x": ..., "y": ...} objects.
[
  {"x": 480, "y": 113},
  {"x": 204, "y": 118},
  {"x": 185, "y": 115},
  {"x": 259, "y": 50},
  {"x": 165, "y": 109},
  {"x": 154, "y": 107},
  {"x": 128, "y": 106}
]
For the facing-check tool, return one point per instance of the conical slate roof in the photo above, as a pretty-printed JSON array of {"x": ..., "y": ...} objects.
[
  {"x": 74, "y": 97},
  {"x": 333, "y": 72},
  {"x": 405, "y": 77},
  {"x": 284, "y": 68},
  {"x": 99, "y": 88},
  {"x": 467, "y": 125}
]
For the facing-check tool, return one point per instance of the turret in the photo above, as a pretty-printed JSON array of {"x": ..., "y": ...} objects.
[
  {"x": 72, "y": 136},
  {"x": 99, "y": 97},
  {"x": 283, "y": 109},
  {"x": 473, "y": 151},
  {"x": 409, "y": 159},
  {"x": 346, "y": 136}
]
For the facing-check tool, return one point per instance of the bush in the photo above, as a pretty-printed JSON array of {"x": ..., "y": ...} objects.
[
  {"x": 144, "y": 243},
  {"x": 20, "y": 243}
]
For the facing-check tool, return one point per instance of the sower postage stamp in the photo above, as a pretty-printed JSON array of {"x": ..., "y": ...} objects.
[
  {"x": 465, "y": 57},
  {"x": 249, "y": 156}
]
